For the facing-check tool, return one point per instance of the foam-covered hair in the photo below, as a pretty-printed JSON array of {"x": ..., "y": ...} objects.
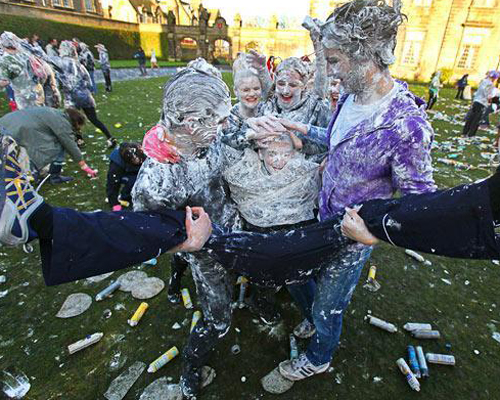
[
  {"x": 364, "y": 30},
  {"x": 67, "y": 49},
  {"x": 200, "y": 64},
  {"x": 294, "y": 64},
  {"x": 9, "y": 40},
  {"x": 193, "y": 93}
]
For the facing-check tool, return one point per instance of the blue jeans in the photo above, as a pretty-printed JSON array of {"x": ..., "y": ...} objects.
[
  {"x": 10, "y": 92},
  {"x": 324, "y": 299}
]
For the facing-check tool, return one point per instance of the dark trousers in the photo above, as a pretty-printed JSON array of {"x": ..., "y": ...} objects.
[
  {"x": 91, "y": 114},
  {"x": 107, "y": 79},
  {"x": 473, "y": 119},
  {"x": 432, "y": 100},
  {"x": 460, "y": 93}
]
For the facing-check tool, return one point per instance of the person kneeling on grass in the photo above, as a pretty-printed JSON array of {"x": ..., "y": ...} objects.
[
  {"x": 124, "y": 165},
  {"x": 48, "y": 134}
]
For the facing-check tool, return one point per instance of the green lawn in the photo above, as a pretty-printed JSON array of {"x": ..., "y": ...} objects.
[
  {"x": 466, "y": 311},
  {"x": 133, "y": 63}
]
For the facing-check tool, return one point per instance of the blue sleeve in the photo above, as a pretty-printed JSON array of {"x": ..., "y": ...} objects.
[{"x": 317, "y": 133}]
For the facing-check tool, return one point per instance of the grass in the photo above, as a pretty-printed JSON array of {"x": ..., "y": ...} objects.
[
  {"x": 134, "y": 64},
  {"x": 466, "y": 311}
]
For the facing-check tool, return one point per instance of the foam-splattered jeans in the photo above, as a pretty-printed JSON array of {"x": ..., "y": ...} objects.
[
  {"x": 214, "y": 287},
  {"x": 324, "y": 299}
]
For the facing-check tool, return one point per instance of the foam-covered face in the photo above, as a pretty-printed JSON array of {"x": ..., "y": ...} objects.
[
  {"x": 289, "y": 89},
  {"x": 277, "y": 155},
  {"x": 249, "y": 91},
  {"x": 196, "y": 133},
  {"x": 350, "y": 74},
  {"x": 334, "y": 90}
]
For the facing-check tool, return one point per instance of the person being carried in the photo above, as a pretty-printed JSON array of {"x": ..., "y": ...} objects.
[
  {"x": 124, "y": 165},
  {"x": 48, "y": 134}
]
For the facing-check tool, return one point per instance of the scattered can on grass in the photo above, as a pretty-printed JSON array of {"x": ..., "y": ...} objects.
[
  {"x": 151, "y": 262},
  {"x": 426, "y": 334},
  {"x": 410, "y": 377},
  {"x": 443, "y": 359},
  {"x": 138, "y": 314},
  {"x": 108, "y": 291},
  {"x": 412, "y": 360},
  {"x": 83, "y": 343},
  {"x": 416, "y": 326},
  {"x": 379, "y": 323},
  {"x": 186, "y": 298},
  {"x": 424, "y": 369},
  {"x": 294, "y": 349},
  {"x": 195, "y": 319},
  {"x": 235, "y": 349},
  {"x": 163, "y": 359},
  {"x": 243, "y": 282}
]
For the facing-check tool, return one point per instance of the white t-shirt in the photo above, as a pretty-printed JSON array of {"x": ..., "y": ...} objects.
[
  {"x": 484, "y": 91},
  {"x": 352, "y": 114}
]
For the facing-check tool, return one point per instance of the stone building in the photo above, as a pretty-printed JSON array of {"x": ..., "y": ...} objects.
[{"x": 456, "y": 36}]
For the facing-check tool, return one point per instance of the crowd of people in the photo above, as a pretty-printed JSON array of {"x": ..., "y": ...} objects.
[{"x": 268, "y": 188}]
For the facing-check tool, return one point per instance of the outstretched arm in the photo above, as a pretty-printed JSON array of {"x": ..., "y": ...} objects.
[
  {"x": 198, "y": 231},
  {"x": 258, "y": 61}
]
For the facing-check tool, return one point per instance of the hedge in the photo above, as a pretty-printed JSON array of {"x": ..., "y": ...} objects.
[{"x": 120, "y": 43}]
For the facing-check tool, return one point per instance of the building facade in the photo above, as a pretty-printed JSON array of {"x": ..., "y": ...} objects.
[{"x": 455, "y": 36}]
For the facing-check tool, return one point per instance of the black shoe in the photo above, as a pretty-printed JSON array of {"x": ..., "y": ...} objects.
[
  {"x": 56, "y": 179},
  {"x": 190, "y": 382},
  {"x": 112, "y": 142}
]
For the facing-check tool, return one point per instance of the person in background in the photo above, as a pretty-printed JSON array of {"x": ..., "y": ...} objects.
[
  {"x": 140, "y": 56},
  {"x": 434, "y": 90},
  {"x": 48, "y": 134},
  {"x": 461, "y": 84},
  {"x": 482, "y": 99},
  {"x": 124, "y": 165},
  {"x": 105, "y": 65},
  {"x": 76, "y": 85},
  {"x": 86, "y": 58},
  {"x": 154, "y": 61},
  {"x": 52, "y": 48}
]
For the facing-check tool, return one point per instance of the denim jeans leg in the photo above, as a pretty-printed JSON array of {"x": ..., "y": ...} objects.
[
  {"x": 335, "y": 286},
  {"x": 303, "y": 295}
]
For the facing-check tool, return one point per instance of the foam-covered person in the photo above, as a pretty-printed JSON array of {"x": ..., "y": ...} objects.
[
  {"x": 16, "y": 70},
  {"x": 334, "y": 89},
  {"x": 77, "y": 86},
  {"x": 186, "y": 159},
  {"x": 124, "y": 165}
]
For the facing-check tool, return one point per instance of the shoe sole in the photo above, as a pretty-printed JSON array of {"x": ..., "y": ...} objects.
[{"x": 293, "y": 378}]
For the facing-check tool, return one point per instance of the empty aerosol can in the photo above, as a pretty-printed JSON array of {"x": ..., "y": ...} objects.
[
  {"x": 138, "y": 314},
  {"x": 195, "y": 319},
  {"x": 416, "y": 326},
  {"x": 410, "y": 377},
  {"x": 412, "y": 360},
  {"x": 426, "y": 334},
  {"x": 424, "y": 369},
  {"x": 379, "y": 323},
  {"x": 108, "y": 291},
  {"x": 186, "y": 298},
  {"x": 163, "y": 359},
  {"x": 442, "y": 359},
  {"x": 243, "y": 288},
  {"x": 294, "y": 350}
]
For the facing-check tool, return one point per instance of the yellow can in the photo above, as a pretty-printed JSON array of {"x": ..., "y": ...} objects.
[
  {"x": 138, "y": 314},
  {"x": 372, "y": 273},
  {"x": 194, "y": 321},
  {"x": 186, "y": 298},
  {"x": 163, "y": 359}
]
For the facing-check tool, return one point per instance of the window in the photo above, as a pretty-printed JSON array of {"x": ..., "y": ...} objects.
[
  {"x": 468, "y": 57},
  {"x": 412, "y": 47},
  {"x": 56, "y": 3},
  {"x": 63, "y": 3},
  {"x": 471, "y": 44},
  {"x": 485, "y": 3}
]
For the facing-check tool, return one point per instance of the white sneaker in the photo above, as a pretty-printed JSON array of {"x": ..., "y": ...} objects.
[
  {"x": 300, "y": 368},
  {"x": 18, "y": 198},
  {"x": 304, "y": 330}
]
